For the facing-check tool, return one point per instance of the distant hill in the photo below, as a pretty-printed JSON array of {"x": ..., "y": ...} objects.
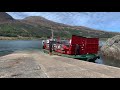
[
  {"x": 4, "y": 17},
  {"x": 35, "y": 26},
  {"x": 33, "y": 20}
]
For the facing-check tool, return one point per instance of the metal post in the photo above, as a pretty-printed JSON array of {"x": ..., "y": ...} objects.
[{"x": 52, "y": 33}]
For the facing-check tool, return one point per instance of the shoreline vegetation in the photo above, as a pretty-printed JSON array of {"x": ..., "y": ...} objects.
[
  {"x": 103, "y": 39},
  {"x": 25, "y": 38},
  {"x": 20, "y": 38},
  {"x": 34, "y": 38}
]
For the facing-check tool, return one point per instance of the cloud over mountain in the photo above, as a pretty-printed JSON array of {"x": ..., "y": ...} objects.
[{"x": 109, "y": 21}]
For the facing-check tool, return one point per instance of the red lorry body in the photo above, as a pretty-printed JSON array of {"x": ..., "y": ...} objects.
[{"x": 87, "y": 45}]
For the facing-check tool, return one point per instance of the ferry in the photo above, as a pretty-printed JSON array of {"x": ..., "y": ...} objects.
[{"x": 77, "y": 47}]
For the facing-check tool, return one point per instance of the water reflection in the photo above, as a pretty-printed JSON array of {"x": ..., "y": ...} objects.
[{"x": 110, "y": 61}]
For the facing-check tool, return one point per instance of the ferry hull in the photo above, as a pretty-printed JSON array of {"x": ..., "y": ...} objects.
[{"x": 86, "y": 57}]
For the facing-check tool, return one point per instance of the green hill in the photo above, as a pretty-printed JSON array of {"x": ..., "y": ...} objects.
[{"x": 39, "y": 27}]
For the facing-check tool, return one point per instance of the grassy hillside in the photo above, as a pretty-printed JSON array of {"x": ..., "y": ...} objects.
[
  {"x": 19, "y": 29},
  {"x": 39, "y": 27},
  {"x": 38, "y": 31}
]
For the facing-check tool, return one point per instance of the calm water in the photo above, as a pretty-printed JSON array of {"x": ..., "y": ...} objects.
[{"x": 7, "y": 47}]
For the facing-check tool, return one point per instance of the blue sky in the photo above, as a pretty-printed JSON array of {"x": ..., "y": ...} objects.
[{"x": 107, "y": 21}]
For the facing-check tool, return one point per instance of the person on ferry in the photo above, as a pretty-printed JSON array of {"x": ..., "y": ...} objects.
[
  {"x": 50, "y": 47},
  {"x": 77, "y": 49},
  {"x": 49, "y": 41}
]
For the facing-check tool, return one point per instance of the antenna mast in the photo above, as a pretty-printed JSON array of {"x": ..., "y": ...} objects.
[{"x": 52, "y": 33}]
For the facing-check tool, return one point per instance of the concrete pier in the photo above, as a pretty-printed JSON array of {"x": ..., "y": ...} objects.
[{"x": 39, "y": 65}]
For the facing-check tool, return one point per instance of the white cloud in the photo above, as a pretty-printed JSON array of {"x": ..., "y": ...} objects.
[{"x": 109, "y": 21}]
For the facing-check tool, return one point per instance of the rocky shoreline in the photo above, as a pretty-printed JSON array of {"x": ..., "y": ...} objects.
[{"x": 112, "y": 48}]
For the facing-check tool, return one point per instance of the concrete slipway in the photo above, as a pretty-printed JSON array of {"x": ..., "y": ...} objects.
[{"x": 36, "y": 64}]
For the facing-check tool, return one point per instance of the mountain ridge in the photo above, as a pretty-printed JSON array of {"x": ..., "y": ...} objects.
[
  {"x": 4, "y": 17},
  {"x": 37, "y": 26}
]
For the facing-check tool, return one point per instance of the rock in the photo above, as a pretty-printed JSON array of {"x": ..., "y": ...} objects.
[{"x": 112, "y": 47}]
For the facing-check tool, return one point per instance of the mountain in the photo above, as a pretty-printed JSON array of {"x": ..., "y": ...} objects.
[
  {"x": 36, "y": 26},
  {"x": 4, "y": 17},
  {"x": 67, "y": 29},
  {"x": 43, "y": 21}
]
